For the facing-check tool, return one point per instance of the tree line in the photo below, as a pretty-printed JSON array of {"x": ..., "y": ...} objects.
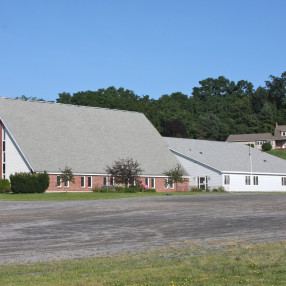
[{"x": 216, "y": 108}]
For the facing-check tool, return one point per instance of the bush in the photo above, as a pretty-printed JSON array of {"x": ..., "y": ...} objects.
[
  {"x": 5, "y": 186},
  {"x": 219, "y": 190},
  {"x": 266, "y": 146},
  {"x": 29, "y": 183}
]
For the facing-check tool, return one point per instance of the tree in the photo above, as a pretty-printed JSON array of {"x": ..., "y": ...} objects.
[
  {"x": 175, "y": 175},
  {"x": 175, "y": 128},
  {"x": 66, "y": 176},
  {"x": 125, "y": 171},
  {"x": 266, "y": 146}
]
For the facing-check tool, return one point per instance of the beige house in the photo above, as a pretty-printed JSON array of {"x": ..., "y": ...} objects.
[{"x": 277, "y": 141}]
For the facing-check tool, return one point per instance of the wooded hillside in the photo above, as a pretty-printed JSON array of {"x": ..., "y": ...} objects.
[{"x": 215, "y": 109}]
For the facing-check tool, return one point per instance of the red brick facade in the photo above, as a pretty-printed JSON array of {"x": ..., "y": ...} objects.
[{"x": 98, "y": 181}]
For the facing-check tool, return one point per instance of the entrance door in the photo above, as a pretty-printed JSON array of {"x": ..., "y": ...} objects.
[{"x": 203, "y": 183}]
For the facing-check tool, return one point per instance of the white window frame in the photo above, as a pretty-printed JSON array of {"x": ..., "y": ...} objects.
[
  {"x": 147, "y": 181},
  {"x": 105, "y": 181},
  {"x": 82, "y": 186},
  {"x": 255, "y": 181},
  {"x": 59, "y": 185},
  {"x": 89, "y": 178},
  {"x": 112, "y": 181},
  {"x": 247, "y": 180},
  {"x": 67, "y": 184},
  {"x": 167, "y": 185},
  {"x": 153, "y": 183},
  {"x": 227, "y": 179},
  {"x": 283, "y": 181}
]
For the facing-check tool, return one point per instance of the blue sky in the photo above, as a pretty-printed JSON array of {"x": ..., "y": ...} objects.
[{"x": 152, "y": 47}]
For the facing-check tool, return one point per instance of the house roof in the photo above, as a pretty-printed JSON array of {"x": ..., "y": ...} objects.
[
  {"x": 227, "y": 157},
  {"x": 277, "y": 132},
  {"x": 249, "y": 137},
  {"x": 87, "y": 139}
]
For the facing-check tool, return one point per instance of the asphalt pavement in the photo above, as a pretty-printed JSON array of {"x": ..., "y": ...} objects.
[{"x": 41, "y": 231}]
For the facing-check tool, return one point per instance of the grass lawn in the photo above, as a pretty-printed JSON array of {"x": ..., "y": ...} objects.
[
  {"x": 226, "y": 263},
  {"x": 84, "y": 196},
  {"x": 278, "y": 153}
]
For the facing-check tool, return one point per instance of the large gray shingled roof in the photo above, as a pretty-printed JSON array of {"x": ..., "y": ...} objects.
[
  {"x": 87, "y": 139},
  {"x": 225, "y": 156}
]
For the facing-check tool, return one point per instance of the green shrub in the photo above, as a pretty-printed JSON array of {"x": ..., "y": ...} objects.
[
  {"x": 149, "y": 191},
  {"x": 196, "y": 189},
  {"x": 266, "y": 146},
  {"x": 219, "y": 190},
  {"x": 5, "y": 186},
  {"x": 29, "y": 183}
]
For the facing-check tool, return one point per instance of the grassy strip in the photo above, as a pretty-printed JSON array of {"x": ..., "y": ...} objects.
[
  {"x": 227, "y": 264},
  {"x": 278, "y": 153},
  {"x": 84, "y": 196}
]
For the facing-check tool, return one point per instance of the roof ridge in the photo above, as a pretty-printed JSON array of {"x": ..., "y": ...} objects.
[{"x": 68, "y": 104}]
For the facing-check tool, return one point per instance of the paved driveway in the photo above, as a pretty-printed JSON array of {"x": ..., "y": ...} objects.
[{"x": 39, "y": 231}]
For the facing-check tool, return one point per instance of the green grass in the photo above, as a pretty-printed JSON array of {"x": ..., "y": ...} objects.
[
  {"x": 84, "y": 196},
  {"x": 278, "y": 153},
  {"x": 224, "y": 263}
]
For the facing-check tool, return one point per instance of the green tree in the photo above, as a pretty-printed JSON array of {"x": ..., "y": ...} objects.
[
  {"x": 175, "y": 175},
  {"x": 125, "y": 171},
  {"x": 66, "y": 176}
]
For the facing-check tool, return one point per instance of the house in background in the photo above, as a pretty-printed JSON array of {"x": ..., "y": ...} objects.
[
  {"x": 39, "y": 136},
  {"x": 236, "y": 167},
  {"x": 277, "y": 141},
  {"x": 255, "y": 140},
  {"x": 280, "y": 136}
]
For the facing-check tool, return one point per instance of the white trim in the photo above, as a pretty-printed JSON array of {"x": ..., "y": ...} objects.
[
  {"x": 90, "y": 181},
  {"x": 82, "y": 186},
  {"x": 18, "y": 147},
  {"x": 154, "y": 183},
  {"x": 60, "y": 185}
]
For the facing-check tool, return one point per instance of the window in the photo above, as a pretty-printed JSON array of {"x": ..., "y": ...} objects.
[
  {"x": 147, "y": 181},
  {"x": 247, "y": 180},
  {"x": 153, "y": 183},
  {"x": 3, "y": 163},
  {"x": 59, "y": 181},
  {"x": 82, "y": 181},
  {"x": 283, "y": 133},
  {"x": 111, "y": 181},
  {"x": 89, "y": 182},
  {"x": 167, "y": 185},
  {"x": 283, "y": 181},
  {"x": 105, "y": 181},
  {"x": 67, "y": 184},
  {"x": 255, "y": 180},
  {"x": 226, "y": 179}
]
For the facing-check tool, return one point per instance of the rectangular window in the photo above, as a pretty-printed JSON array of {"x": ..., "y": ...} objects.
[
  {"x": 255, "y": 180},
  {"x": 67, "y": 184},
  {"x": 105, "y": 181},
  {"x": 58, "y": 181},
  {"x": 153, "y": 183},
  {"x": 247, "y": 180},
  {"x": 82, "y": 181},
  {"x": 111, "y": 181},
  {"x": 4, "y": 146},
  {"x": 89, "y": 182},
  {"x": 283, "y": 181},
  {"x": 226, "y": 179},
  {"x": 167, "y": 185},
  {"x": 147, "y": 181}
]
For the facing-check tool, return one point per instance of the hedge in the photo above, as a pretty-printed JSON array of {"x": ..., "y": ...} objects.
[
  {"x": 29, "y": 183},
  {"x": 5, "y": 186}
]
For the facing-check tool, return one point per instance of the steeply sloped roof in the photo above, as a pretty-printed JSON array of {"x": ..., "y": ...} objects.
[
  {"x": 249, "y": 137},
  {"x": 225, "y": 156},
  {"x": 53, "y": 136},
  {"x": 277, "y": 132}
]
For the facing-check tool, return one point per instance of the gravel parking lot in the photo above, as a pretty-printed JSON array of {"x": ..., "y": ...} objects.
[{"x": 40, "y": 231}]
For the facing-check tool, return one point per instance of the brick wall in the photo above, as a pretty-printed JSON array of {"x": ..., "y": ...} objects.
[{"x": 97, "y": 181}]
